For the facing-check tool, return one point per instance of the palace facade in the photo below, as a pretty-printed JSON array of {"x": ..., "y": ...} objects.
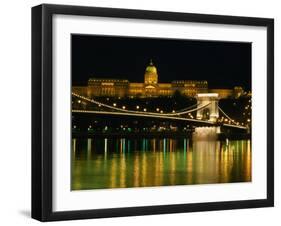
[{"x": 149, "y": 88}]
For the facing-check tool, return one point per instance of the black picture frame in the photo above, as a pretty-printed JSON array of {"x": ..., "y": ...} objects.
[{"x": 42, "y": 111}]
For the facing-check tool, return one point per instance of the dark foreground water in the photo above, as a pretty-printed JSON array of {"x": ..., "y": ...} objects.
[{"x": 121, "y": 163}]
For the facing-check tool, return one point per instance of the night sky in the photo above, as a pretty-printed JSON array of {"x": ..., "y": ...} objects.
[{"x": 222, "y": 64}]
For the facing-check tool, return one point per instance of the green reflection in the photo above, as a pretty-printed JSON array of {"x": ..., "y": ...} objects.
[{"x": 119, "y": 163}]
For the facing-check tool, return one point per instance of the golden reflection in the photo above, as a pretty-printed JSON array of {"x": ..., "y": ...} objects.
[
  {"x": 113, "y": 174},
  {"x": 172, "y": 168},
  {"x": 224, "y": 165},
  {"x": 189, "y": 175},
  {"x": 159, "y": 167},
  {"x": 248, "y": 161},
  {"x": 89, "y": 148},
  {"x": 136, "y": 173},
  {"x": 74, "y": 145},
  {"x": 122, "y": 172},
  {"x": 143, "y": 170},
  {"x": 171, "y": 145},
  {"x": 105, "y": 149},
  {"x": 118, "y": 163}
]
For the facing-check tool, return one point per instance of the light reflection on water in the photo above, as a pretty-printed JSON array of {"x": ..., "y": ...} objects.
[{"x": 120, "y": 163}]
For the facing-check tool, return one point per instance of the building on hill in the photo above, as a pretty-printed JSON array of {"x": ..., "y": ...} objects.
[{"x": 106, "y": 87}]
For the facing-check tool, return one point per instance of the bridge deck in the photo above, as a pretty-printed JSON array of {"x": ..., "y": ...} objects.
[{"x": 141, "y": 114}]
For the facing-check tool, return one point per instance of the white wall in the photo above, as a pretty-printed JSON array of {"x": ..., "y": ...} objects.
[{"x": 15, "y": 149}]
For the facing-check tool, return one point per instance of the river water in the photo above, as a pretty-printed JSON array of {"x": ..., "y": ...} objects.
[{"x": 123, "y": 163}]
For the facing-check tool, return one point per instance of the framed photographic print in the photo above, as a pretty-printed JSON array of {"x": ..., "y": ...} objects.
[{"x": 145, "y": 112}]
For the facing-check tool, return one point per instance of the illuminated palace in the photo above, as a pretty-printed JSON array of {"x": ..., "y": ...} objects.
[{"x": 150, "y": 87}]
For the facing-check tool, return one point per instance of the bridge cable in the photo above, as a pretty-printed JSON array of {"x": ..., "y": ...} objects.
[
  {"x": 180, "y": 112},
  {"x": 230, "y": 119}
]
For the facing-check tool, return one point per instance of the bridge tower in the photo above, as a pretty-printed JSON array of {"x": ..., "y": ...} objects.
[{"x": 211, "y": 111}]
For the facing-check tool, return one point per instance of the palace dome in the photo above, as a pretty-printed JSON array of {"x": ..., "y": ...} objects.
[
  {"x": 151, "y": 68},
  {"x": 150, "y": 75}
]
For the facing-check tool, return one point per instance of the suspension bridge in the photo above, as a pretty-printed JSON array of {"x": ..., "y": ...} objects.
[{"x": 206, "y": 104}]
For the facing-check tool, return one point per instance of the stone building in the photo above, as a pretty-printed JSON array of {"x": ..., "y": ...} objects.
[{"x": 149, "y": 88}]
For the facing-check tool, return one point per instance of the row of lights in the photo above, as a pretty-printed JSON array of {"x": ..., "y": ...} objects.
[
  {"x": 190, "y": 115},
  {"x": 127, "y": 128},
  {"x": 137, "y": 107},
  {"x": 144, "y": 109},
  {"x": 233, "y": 121}
]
